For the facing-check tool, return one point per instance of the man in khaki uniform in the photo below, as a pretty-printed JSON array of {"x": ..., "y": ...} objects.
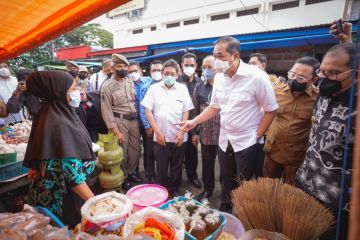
[
  {"x": 288, "y": 134},
  {"x": 120, "y": 116}
]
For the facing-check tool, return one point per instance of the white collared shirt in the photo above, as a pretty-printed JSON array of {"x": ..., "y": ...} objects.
[
  {"x": 242, "y": 101},
  {"x": 168, "y": 106},
  {"x": 101, "y": 78},
  {"x": 7, "y": 88}
]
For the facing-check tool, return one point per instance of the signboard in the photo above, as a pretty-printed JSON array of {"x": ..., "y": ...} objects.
[{"x": 130, "y": 6}]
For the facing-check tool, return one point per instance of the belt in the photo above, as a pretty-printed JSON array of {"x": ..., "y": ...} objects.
[{"x": 130, "y": 116}]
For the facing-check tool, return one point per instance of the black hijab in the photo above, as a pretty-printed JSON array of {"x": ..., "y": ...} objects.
[{"x": 56, "y": 132}]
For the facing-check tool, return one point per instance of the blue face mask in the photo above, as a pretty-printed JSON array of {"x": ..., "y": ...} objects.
[
  {"x": 208, "y": 74},
  {"x": 169, "y": 80},
  {"x": 75, "y": 98}
]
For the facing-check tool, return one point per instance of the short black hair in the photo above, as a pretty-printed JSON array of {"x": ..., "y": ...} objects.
[
  {"x": 171, "y": 63},
  {"x": 309, "y": 61},
  {"x": 348, "y": 48},
  {"x": 156, "y": 61},
  {"x": 134, "y": 63},
  {"x": 188, "y": 55},
  {"x": 233, "y": 45},
  {"x": 23, "y": 73},
  {"x": 261, "y": 57}
]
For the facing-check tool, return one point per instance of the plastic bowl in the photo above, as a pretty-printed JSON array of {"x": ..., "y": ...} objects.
[
  {"x": 233, "y": 225},
  {"x": 146, "y": 195}
]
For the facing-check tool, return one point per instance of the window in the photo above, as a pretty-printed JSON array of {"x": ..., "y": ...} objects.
[
  {"x": 285, "y": 5},
  {"x": 153, "y": 28},
  {"x": 308, "y": 2},
  {"x": 193, "y": 21},
  {"x": 247, "y": 12},
  {"x": 137, "y": 31},
  {"x": 220, "y": 17},
  {"x": 172, "y": 25}
]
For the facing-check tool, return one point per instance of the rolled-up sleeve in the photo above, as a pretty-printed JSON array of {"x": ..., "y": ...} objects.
[
  {"x": 144, "y": 120},
  {"x": 106, "y": 109},
  {"x": 265, "y": 94},
  {"x": 188, "y": 104},
  {"x": 148, "y": 101}
]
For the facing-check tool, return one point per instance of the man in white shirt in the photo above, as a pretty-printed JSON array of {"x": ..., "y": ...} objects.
[
  {"x": 8, "y": 85},
  {"x": 240, "y": 92},
  {"x": 97, "y": 79},
  {"x": 168, "y": 103}
]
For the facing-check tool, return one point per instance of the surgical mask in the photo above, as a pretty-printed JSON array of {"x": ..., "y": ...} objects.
[
  {"x": 208, "y": 74},
  {"x": 169, "y": 80},
  {"x": 73, "y": 73},
  {"x": 134, "y": 76},
  {"x": 189, "y": 71},
  {"x": 157, "y": 76},
  {"x": 121, "y": 73},
  {"x": 4, "y": 72},
  {"x": 221, "y": 66},
  {"x": 295, "y": 86},
  {"x": 82, "y": 76},
  {"x": 328, "y": 88},
  {"x": 75, "y": 97}
]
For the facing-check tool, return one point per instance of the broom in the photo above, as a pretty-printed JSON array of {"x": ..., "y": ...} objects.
[{"x": 274, "y": 206}]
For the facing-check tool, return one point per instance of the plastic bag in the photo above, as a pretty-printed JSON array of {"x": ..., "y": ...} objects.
[
  {"x": 86, "y": 236},
  {"x": 50, "y": 233},
  {"x": 12, "y": 234},
  {"x": 150, "y": 212},
  {"x": 107, "y": 211}
]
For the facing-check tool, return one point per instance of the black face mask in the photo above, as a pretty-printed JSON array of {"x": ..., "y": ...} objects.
[
  {"x": 73, "y": 73},
  {"x": 82, "y": 76},
  {"x": 329, "y": 87},
  {"x": 295, "y": 86},
  {"x": 121, "y": 73},
  {"x": 109, "y": 75}
]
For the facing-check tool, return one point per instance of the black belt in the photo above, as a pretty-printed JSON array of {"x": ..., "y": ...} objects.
[{"x": 130, "y": 116}]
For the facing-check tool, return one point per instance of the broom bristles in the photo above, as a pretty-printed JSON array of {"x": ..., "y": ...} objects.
[{"x": 274, "y": 206}]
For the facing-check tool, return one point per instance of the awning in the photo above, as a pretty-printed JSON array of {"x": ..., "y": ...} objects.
[
  {"x": 253, "y": 45},
  {"x": 28, "y": 24}
]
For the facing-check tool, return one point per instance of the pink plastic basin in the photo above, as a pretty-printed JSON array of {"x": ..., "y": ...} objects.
[
  {"x": 146, "y": 195},
  {"x": 233, "y": 225}
]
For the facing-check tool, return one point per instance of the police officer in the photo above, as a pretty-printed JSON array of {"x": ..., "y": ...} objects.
[{"x": 120, "y": 116}]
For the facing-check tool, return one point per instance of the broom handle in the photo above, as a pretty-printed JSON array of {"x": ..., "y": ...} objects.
[{"x": 354, "y": 229}]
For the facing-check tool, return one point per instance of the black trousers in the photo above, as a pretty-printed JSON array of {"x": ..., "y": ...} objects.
[
  {"x": 208, "y": 154},
  {"x": 234, "y": 167},
  {"x": 165, "y": 156},
  {"x": 191, "y": 160},
  {"x": 148, "y": 153},
  {"x": 259, "y": 172}
]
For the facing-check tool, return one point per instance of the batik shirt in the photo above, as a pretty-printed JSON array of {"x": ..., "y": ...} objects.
[{"x": 320, "y": 173}]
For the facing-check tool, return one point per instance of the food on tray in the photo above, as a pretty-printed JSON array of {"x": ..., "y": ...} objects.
[
  {"x": 212, "y": 221},
  {"x": 198, "y": 228},
  {"x": 226, "y": 236},
  {"x": 155, "y": 229}
]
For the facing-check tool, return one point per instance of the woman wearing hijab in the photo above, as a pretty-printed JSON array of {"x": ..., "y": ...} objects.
[{"x": 59, "y": 152}]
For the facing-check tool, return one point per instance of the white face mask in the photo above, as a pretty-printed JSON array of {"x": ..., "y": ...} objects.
[
  {"x": 221, "y": 66},
  {"x": 4, "y": 72},
  {"x": 189, "y": 71},
  {"x": 157, "y": 76},
  {"x": 134, "y": 76},
  {"x": 75, "y": 98}
]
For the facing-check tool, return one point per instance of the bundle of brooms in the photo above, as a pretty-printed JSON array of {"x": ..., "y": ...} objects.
[{"x": 274, "y": 206}]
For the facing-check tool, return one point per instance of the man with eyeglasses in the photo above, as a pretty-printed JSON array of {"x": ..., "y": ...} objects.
[
  {"x": 288, "y": 134},
  {"x": 320, "y": 174},
  {"x": 190, "y": 79}
]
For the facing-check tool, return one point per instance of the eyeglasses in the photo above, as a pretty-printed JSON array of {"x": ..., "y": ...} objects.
[
  {"x": 330, "y": 75},
  {"x": 300, "y": 79}
]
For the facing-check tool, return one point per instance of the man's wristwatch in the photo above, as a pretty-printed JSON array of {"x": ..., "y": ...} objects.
[{"x": 258, "y": 138}]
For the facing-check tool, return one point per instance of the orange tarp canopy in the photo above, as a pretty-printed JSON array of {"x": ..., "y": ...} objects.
[{"x": 26, "y": 24}]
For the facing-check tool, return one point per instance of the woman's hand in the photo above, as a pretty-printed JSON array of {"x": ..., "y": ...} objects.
[{"x": 33, "y": 174}]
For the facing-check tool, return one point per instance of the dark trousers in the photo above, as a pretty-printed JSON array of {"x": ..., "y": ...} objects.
[
  {"x": 259, "y": 172},
  {"x": 191, "y": 160},
  {"x": 234, "y": 167},
  {"x": 208, "y": 154},
  {"x": 148, "y": 153},
  {"x": 173, "y": 155}
]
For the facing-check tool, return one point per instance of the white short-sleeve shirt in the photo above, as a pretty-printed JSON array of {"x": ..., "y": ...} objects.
[
  {"x": 168, "y": 106},
  {"x": 242, "y": 101}
]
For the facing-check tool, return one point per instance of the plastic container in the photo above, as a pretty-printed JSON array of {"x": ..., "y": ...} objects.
[
  {"x": 12, "y": 170},
  {"x": 7, "y": 158},
  {"x": 233, "y": 225},
  {"x": 55, "y": 221},
  {"x": 146, "y": 195},
  {"x": 188, "y": 236}
]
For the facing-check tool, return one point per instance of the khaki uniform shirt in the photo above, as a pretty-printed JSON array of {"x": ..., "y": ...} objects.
[
  {"x": 288, "y": 134},
  {"x": 117, "y": 96}
]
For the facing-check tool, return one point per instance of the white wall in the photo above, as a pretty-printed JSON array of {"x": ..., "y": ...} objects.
[{"x": 160, "y": 12}]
